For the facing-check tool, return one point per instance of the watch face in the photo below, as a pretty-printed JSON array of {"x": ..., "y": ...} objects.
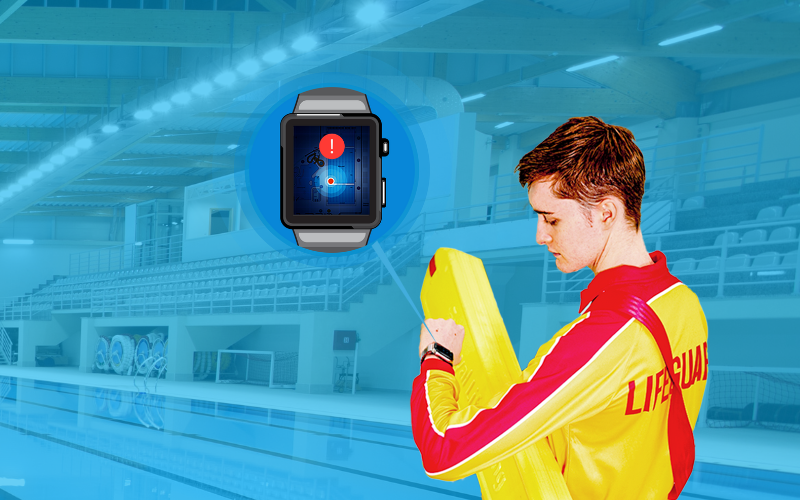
[{"x": 329, "y": 171}]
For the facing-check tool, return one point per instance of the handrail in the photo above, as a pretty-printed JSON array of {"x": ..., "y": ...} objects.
[
  {"x": 164, "y": 250},
  {"x": 717, "y": 277},
  {"x": 6, "y": 346},
  {"x": 170, "y": 296}
]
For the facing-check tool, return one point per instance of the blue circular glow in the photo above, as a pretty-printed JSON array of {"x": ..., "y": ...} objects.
[{"x": 406, "y": 169}]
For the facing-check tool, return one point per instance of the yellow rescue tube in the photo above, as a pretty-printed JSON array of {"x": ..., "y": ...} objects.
[{"x": 456, "y": 287}]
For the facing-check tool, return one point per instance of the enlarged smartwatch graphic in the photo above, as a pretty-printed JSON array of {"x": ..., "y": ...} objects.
[{"x": 332, "y": 189}]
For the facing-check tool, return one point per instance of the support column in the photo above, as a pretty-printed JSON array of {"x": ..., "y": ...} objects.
[
  {"x": 685, "y": 159},
  {"x": 315, "y": 361},
  {"x": 180, "y": 353},
  {"x": 89, "y": 338}
]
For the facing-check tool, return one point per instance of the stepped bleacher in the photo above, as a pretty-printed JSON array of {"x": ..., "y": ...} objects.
[
  {"x": 753, "y": 253},
  {"x": 734, "y": 206},
  {"x": 262, "y": 282}
]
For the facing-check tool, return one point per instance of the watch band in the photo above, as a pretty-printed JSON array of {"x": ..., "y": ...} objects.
[
  {"x": 325, "y": 101},
  {"x": 331, "y": 240},
  {"x": 331, "y": 100},
  {"x": 437, "y": 350}
]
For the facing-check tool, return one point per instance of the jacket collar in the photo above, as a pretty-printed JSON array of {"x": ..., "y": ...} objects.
[{"x": 621, "y": 276}]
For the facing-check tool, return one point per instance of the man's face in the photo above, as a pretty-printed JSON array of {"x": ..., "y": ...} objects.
[{"x": 574, "y": 239}]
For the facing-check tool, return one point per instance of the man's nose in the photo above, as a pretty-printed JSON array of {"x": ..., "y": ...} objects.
[{"x": 542, "y": 237}]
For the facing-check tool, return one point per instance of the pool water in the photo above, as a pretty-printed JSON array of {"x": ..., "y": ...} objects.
[{"x": 74, "y": 442}]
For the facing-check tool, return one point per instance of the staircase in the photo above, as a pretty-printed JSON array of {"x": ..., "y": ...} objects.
[
  {"x": 21, "y": 307},
  {"x": 5, "y": 347}
]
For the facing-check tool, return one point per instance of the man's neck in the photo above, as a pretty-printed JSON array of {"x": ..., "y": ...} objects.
[{"x": 626, "y": 248}]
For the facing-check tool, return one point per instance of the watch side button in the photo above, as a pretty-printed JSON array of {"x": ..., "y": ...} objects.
[
  {"x": 384, "y": 147},
  {"x": 383, "y": 191}
]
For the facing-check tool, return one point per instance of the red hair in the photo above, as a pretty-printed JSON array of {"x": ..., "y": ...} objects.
[{"x": 588, "y": 160}]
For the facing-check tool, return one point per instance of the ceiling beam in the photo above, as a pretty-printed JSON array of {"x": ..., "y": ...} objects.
[
  {"x": 139, "y": 27},
  {"x": 198, "y": 137},
  {"x": 137, "y": 160},
  {"x": 35, "y": 134},
  {"x": 549, "y": 65},
  {"x": 532, "y": 138},
  {"x": 50, "y": 110},
  {"x": 177, "y": 161},
  {"x": 280, "y": 6},
  {"x": 8, "y": 7},
  {"x": 100, "y": 197},
  {"x": 138, "y": 180},
  {"x": 16, "y": 157},
  {"x": 589, "y": 37},
  {"x": 520, "y": 8},
  {"x": 33, "y": 91},
  {"x": 656, "y": 82},
  {"x": 224, "y": 115},
  {"x": 493, "y": 118},
  {"x": 666, "y": 10},
  {"x": 567, "y": 101},
  {"x": 190, "y": 137},
  {"x": 69, "y": 211},
  {"x": 749, "y": 76},
  {"x": 724, "y": 16}
]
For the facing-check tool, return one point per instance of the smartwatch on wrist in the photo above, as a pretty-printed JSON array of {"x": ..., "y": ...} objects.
[
  {"x": 332, "y": 185},
  {"x": 439, "y": 351}
]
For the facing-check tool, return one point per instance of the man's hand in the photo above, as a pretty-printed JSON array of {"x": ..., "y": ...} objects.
[{"x": 447, "y": 333}]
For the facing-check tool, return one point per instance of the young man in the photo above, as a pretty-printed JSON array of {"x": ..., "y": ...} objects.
[{"x": 599, "y": 391}]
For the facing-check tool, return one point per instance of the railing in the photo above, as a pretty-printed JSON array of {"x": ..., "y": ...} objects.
[
  {"x": 153, "y": 252},
  {"x": 223, "y": 289},
  {"x": 6, "y": 347},
  {"x": 719, "y": 276},
  {"x": 22, "y": 307}
]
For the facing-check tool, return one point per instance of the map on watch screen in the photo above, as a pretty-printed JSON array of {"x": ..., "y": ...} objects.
[{"x": 331, "y": 170}]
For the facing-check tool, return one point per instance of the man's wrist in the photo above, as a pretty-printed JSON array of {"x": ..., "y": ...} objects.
[
  {"x": 439, "y": 351},
  {"x": 434, "y": 355}
]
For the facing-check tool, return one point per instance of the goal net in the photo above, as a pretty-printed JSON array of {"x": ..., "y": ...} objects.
[
  {"x": 754, "y": 397},
  {"x": 270, "y": 368}
]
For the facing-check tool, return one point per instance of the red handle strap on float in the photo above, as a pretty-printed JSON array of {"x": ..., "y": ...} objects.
[{"x": 679, "y": 430}]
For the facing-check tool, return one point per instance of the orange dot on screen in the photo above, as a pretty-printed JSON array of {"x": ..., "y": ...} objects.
[{"x": 330, "y": 181}]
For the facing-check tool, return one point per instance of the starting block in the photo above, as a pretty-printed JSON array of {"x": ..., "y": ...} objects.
[{"x": 456, "y": 287}]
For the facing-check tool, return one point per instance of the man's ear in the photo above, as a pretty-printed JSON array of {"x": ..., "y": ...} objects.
[{"x": 609, "y": 209}]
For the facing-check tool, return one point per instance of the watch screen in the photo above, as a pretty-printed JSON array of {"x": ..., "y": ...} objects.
[{"x": 331, "y": 170}]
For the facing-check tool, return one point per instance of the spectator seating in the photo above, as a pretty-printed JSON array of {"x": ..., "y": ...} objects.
[
  {"x": 793, "y": 212},
  {"x": 224, "y": 285},
  {"x": 754, "y": 236},
  {"x": 769, "y": 214},
  {"x": 693, "y": 203},
  {"x": 738, "y": 261},
  {"x": 684, "y": 265},
  {"x": 783, "y": 234},
  {"x": 732, "y": 238},
  {"x": 708, "y": 264},
  {"x": 766, "y": 259}
]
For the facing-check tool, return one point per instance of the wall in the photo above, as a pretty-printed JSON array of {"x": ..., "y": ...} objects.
[
  {"x": 57, "y": 228},
  {"x": 271, "y": 338},
  {"x": 197, "y": 213},
  {"x": 754, "y": 342},
  {"x": 224, "y": 245}
]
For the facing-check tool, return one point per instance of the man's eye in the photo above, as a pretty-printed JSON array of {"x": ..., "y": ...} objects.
[{"x": 551, "y": 222}]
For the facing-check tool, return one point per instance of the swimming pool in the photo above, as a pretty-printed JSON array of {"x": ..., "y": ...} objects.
[{"x": 67, "y": 441}]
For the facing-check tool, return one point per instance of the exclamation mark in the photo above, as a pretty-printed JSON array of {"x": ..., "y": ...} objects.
[{"x": 331, "y": 146}]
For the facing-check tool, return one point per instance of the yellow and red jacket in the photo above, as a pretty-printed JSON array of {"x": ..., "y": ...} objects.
[{"x": 598, "y": 392}]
